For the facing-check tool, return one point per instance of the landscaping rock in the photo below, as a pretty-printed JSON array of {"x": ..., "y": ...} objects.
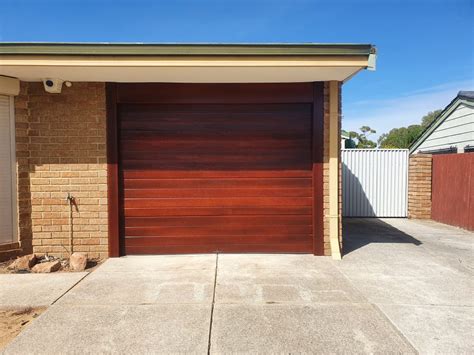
[
  {"x": 50, "y": 266},
  {"x": 24, "y": 263},
  {"x": 78, "y": 262}
]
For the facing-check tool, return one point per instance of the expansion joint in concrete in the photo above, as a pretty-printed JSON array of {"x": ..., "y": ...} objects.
[{"x": 212, "y": 305}]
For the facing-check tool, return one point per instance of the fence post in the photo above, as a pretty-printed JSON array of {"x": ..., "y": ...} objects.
[{"x": 419, "y": 186}]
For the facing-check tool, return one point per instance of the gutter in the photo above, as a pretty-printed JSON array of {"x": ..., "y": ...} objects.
[{"x": 191, "y": 49}]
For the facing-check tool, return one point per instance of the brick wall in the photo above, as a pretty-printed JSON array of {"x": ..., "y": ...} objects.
[
  {"x": 61, "y": 148},
  {"x": 327, "y": 244},
  {"x": 9, "y": 251},
  {"x": 419, "y": 186}
]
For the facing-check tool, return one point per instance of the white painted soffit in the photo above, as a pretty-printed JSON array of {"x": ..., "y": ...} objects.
[{"x": 179, "y": 70}]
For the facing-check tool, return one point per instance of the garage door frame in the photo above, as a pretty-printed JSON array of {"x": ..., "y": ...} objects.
[{"x": 143, "y": 93}]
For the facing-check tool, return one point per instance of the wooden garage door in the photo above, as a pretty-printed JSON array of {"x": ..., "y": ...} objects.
[{"x": 216, "y": 175}]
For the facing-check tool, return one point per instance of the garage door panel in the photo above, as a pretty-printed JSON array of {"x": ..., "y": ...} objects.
[
  {"x": 270, "y": 247},
  {"x": 219, "y": 240},
  {"x": 203, "y": 125},
  {"x": 170, "y": 93},
  {"x": 226, "y": 135},
  {"x": 217, "y": 230},
  {"x": 292, "y": 158},
  {"x": 216, "y": 176},
  {"x": 231, "y": 183},
  {"x": 175, "y": 175},
  {"x": 218, "y": 211},
  {"x": 235, "y": 165},
  {"x": 188, "y": 111},
  {"x": 217, "y": 202},
  {"x": 219, "y": 192},
  {"x": 221, "y": 163},
  {"x": 183, "y": 150},
  {"x": 230, "y": 221},
  {"x": 183, "y": 145}
]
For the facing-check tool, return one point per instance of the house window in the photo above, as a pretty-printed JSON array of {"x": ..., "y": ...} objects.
[{"x": 7, "y": 172}]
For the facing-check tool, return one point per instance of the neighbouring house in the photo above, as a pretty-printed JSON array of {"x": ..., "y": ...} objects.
[
  {"x": 452, "y": 131},
  {"x": 344, "y": 138},
  {"x": 436, "y": 166},
  {"x": 124, "y": 149}
]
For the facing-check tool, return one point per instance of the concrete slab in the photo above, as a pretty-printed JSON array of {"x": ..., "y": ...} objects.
[
  {"x": 435, "y": 329},
  {"x": 143, "y": 329},
  {"x": 321, "y": 329},
  {"x": 403, "y": 272},
  {"x": 417, "y": 273},
  {"x": 153, "y": 263},
  {"x": 449, "y": 245},
  {"x": 421, "y": 277},
  {"x": 143, "y": 287},
  {"x": 381, "y": 288},
  {"x": 275, "y": 285},
  {"x": 238, "y": 262},
  {"x": 35, "y": 290}
]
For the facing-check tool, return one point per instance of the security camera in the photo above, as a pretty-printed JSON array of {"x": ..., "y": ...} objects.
[{"x": 53, "y": 86}]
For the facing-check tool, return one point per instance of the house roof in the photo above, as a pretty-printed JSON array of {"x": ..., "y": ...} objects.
[
  {"x": 461, "y": 97},
  {"x": 466, "y": 95},
  {"x": 186, "y": 49}
]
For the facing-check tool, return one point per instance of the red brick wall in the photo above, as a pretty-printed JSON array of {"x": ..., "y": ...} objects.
[
  {"x": 61, "y": 148},
  {"x": 419, "y": 186}
]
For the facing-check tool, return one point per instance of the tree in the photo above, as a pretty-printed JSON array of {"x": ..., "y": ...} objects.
[
  {"x": 403, "y": 137},
  {"x": 429, "y": 117},
  {"x": 362, "y": 138},
  {"x": 400, "y": 137}
]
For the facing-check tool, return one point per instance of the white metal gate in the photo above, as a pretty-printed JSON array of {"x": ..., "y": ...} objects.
[{"x": 374, "y": 182}]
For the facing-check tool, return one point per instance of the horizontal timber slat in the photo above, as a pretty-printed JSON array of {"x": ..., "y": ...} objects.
[
  {"x": 179, "y": 175},
  {"x": 217, "y": 202},
  {"x": 217, "y": 240},
  {"x": 215, "y": 93},
  {"x": 231, "y": 221},
  {"x": 218, "y": 211},
  {"x": 302, "y": 247},
  {"x": 217, "y": 183},
  {"x": 220, "y": 192},
  {"x": 212, "y": 230}
]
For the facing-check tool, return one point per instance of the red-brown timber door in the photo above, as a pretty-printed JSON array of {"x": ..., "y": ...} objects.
[{"x": 216, "y": 168}]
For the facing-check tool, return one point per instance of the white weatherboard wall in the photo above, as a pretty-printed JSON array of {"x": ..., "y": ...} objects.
[
  {"x": 7, "y": 202},
  {"x": 457, "y": 130},
  {"x": 374, "y": 182}
]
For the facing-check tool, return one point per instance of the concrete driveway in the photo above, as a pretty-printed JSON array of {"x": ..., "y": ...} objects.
[{"x": 403, "y": 286}]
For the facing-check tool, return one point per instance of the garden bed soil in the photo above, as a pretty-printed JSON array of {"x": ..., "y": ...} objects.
[{"x": 12, "y": 322}]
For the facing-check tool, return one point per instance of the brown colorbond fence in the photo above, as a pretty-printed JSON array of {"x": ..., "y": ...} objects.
[{"x": 453, "y": 189}]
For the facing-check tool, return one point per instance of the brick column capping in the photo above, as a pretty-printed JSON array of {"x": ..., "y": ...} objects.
[{"x": 419, "y": 186}]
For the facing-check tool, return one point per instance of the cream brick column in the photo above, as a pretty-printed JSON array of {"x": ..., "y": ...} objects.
[{"x": 334, "y": 153}]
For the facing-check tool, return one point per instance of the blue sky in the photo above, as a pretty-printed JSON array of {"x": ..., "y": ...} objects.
[{"x": 425, "y": 46}]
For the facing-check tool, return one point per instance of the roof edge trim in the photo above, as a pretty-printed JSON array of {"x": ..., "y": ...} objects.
[{"x": 191, "y": 49}]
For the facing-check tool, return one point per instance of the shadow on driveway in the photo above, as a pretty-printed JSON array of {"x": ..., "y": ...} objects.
[{"x": 357, "y": 233}]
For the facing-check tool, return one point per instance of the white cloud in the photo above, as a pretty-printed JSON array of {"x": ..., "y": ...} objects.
[{"x": 385, "y": 114}]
